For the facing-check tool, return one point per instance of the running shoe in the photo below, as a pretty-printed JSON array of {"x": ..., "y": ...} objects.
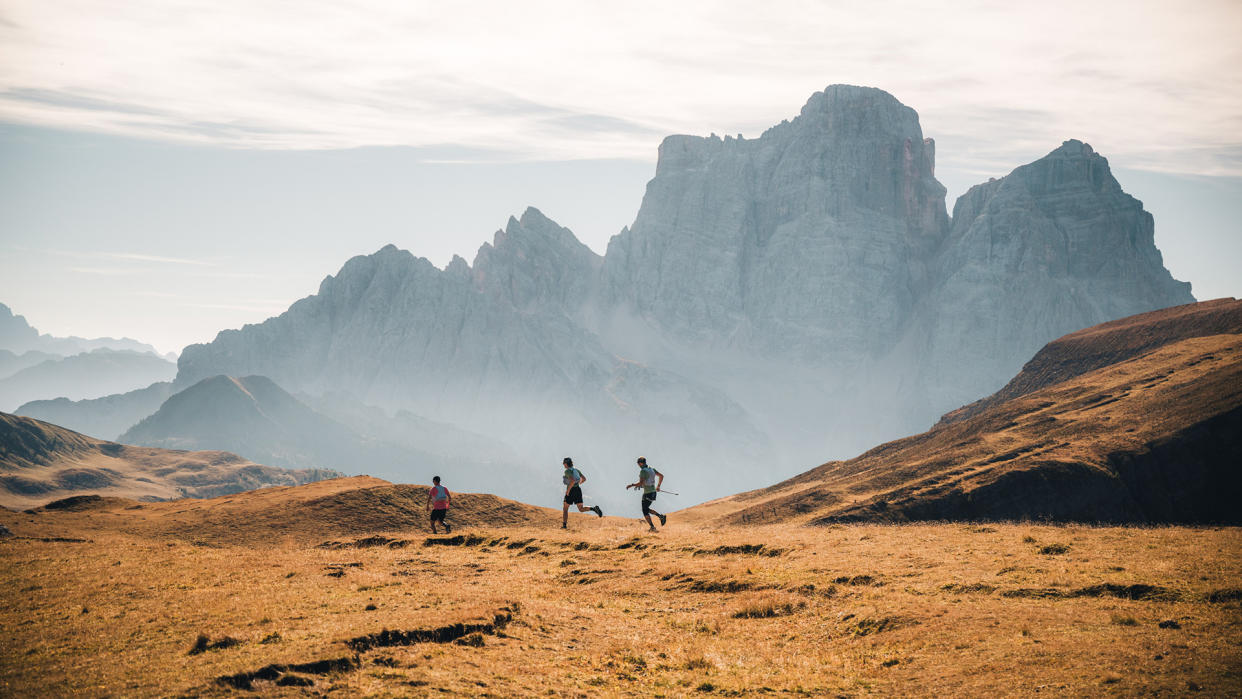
[
  {"x": 663, "y": 519},
  {"x": 597, "y": 511}
]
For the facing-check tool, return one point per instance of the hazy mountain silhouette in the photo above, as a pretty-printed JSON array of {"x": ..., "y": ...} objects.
[
  {"x": 11, "y": 363},
  {"x": 256, "y": 418},
  {"x": 17, "y": 336},
  {"x": 92, "y": 374},
  {"x": 105, "y": 417}
]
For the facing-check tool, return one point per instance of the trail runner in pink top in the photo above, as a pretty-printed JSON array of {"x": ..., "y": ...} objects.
[{"x": 438, "y": 501}]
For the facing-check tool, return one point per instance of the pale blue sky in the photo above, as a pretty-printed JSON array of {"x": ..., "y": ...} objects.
[{"x": 169, "y": 169}]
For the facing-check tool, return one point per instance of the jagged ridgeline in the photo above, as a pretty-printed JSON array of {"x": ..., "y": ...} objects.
[{"x": 777, "y": 301}]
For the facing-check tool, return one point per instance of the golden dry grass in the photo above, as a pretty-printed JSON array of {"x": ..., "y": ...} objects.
[
  {"x": 41, "y": 462},
  {"x": 603, "y": 610}
]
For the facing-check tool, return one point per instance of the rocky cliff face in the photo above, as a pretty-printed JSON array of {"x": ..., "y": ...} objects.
[
  {"x": 1053, "y": 247},
  {"x": 811, "y": 242},
  {"x": 777, "y": 300}
]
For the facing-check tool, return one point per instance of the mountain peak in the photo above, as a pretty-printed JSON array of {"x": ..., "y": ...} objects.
[{"x": 1074, "y": 147}]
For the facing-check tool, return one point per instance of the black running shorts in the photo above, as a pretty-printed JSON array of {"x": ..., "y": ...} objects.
[
  {"x": 574, "y": 496},
  {"x": 438, "y": 515},
  {"x": 648, "y": 498}
]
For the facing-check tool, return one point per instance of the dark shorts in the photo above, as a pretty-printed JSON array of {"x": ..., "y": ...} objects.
[
  {"x": 648, "y": 498},
  {"x": 574, "y": 496},
  {"x": 438, "y": 515}
]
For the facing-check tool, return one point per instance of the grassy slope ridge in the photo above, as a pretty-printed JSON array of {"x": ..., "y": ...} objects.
[
  {"x": 41, "y": 462},
  {"x": 1137, "y": 420},
  {"x": 311, "y": 512}
]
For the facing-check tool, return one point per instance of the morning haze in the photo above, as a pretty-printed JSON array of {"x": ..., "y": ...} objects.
[{"x": 743, "y": 347}]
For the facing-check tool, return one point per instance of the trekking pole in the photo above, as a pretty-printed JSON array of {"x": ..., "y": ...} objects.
[{"x": 666, "y": 491}]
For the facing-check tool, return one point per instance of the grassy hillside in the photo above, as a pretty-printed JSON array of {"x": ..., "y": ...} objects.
[
  {"x": 41, "y": 462},
  {"x": 165, "y": 600},
  {"x": 1111, "y": 424}
]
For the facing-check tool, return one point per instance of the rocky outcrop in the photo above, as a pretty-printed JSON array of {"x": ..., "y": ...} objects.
[
  {"x": 535, "y": 265},
  {"x": 1052, "y": 247},
  {"x": 811, "y": 242}
]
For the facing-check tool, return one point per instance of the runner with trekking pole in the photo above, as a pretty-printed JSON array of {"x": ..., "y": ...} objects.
[{"x": 650, "y": 481}]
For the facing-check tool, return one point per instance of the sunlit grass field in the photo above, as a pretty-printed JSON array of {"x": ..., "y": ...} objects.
[{"x": 605, "y": 610}]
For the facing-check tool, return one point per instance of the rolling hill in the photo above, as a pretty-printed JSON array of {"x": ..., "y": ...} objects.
[
  {"x": 1137, "y": 420},
  {"x": 40, "y": 462},
  {"x": 254, "y": 417}
]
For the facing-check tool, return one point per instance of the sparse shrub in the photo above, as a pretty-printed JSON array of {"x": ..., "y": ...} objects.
[
  {"x": 705, "y": 687},
  {"x": 699, "y": 663},
  {"x": 1169, "y": 624},
  {"x": 1232, "y": 594},
  {"x": 638, "y": 662},
  {"x": 1054, "y": 549},
  {"x": 890, "y": 662},
  {"x": 273, "y": 637},
  {"x": 855, "y": 580},
  {"x": 203, "y": 644},
  {"x": 982, "y": 588},
  {"x": 474, "y": 640},
  {"x": 767, "y": 608},
  {"x": 371, "y": 607},
  {"x": 1123, "y": 620},
  {"x": 866, "y": 627},
  {"x": 1028, "y": 539}
]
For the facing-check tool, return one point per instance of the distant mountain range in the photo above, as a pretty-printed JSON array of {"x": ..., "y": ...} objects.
[
  {"x": 107, "y": 417},
  {"x": 92, "y": 374},
  {"x": 1137, "y": 420},
  {"x": 40, "y": 463},
  {"x": 17, "y": 336},
  {"x": 37, "y": 367},
  {"x": 776, "y": 300}
]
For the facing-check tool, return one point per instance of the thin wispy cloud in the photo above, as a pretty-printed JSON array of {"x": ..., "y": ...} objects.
[
  {"x": 1157, "y": 84},
  {"x": 127, "y": 256}
]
